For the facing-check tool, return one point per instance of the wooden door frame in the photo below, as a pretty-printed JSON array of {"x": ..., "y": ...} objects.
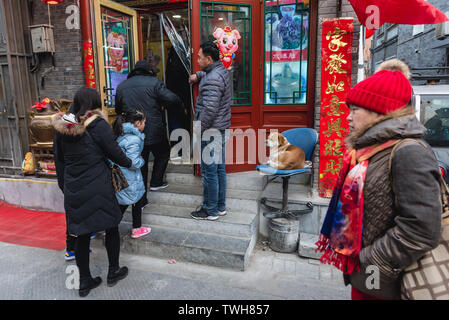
[
  {"x": 195, "y": 6},
  {"x": 99, "y": 39}
]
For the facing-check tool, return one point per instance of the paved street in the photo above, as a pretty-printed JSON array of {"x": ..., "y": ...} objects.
[{"x": 33, "y": 273}]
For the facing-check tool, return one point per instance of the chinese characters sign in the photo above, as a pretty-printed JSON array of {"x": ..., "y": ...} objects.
[
  {"x": 89, "y": 67},
  {"x": 336, "y": 62}
]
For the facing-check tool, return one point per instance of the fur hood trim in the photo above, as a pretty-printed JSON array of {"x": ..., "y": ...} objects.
[
  {"x": 65, "y": 127},
  {"x": 75, "y": 129}
]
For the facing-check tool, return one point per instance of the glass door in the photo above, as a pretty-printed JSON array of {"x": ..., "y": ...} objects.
[
  {"x": 235, "y": 27},
  {"x": 117, "y": 48}
]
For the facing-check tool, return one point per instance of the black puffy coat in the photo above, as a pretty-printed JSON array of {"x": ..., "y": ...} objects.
[
  {"x": 81, "y": 152},
  {"x": 145, "y": 91}
]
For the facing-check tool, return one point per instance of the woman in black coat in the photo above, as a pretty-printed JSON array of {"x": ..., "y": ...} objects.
[{"x": 83, "y": 143}]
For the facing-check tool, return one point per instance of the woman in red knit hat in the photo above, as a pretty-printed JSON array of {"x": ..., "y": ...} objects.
[{"x": 380, "y": 219}]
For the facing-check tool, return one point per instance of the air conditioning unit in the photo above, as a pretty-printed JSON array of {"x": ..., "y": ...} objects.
[{"x": 442, "y": 29}]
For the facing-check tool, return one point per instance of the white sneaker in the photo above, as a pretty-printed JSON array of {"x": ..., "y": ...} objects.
[
  {"x": 163, "y": 186},
  {"x": 222, "y": 213},
  {"x": 211, "y": 217}
]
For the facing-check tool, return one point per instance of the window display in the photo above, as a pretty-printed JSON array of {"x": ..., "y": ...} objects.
[
  {"x": 229, "y": 25},
  {"x": 116, "y": 28},
  {"x": 286, "y": 51}
]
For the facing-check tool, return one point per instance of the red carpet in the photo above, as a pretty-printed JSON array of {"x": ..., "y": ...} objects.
[{"x": 32, "y": 228}]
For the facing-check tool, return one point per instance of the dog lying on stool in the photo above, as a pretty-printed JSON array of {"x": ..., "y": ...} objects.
[{"x": 283, "y": 155}]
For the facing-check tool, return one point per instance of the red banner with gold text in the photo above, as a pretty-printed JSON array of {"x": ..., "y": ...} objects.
[
  {"x": 89, "y": 67},
  {"x": 336, "y": 66}
]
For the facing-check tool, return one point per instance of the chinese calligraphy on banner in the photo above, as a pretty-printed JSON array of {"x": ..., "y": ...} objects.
[
  {"x": 89, "y": 68},
  {"x": 336, "y": 62}
]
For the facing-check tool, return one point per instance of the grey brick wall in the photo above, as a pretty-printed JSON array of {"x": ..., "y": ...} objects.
[
  {"x": 68, "y": 75},
  {"x": 328, "y": 9},
  {"x": 416, "y": 50}
]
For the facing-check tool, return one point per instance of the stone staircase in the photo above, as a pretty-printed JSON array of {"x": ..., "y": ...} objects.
[{"x": 227, "y": 242}]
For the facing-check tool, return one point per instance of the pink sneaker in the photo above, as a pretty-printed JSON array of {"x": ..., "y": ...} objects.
[{"x": 140, "y": 232}]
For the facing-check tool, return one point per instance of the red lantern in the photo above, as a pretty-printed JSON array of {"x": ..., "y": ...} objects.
[{"x": 52, "y": 2}]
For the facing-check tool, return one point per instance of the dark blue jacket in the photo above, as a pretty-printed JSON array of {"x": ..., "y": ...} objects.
[{"x": 213, "y": 105}]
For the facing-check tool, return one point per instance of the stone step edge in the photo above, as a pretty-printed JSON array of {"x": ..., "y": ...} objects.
[
  {"x": 151, "y": 211},
  {"x": 128, "y": 237},
  {"x": 306, "y": 246}
]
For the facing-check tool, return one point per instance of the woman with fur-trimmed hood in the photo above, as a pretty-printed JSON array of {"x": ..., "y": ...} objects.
[
  {"x": 83, "y": 144},
  {"x": 377, "y": 218}
]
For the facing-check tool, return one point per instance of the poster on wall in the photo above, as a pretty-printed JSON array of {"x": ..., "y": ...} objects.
[
  {"x": 116, "y": 55},
  {"x": 286, "y": 53},
  {"x": 336, "y": 66}
]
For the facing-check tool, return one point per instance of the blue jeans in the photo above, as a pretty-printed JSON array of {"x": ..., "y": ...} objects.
[{"x": 213, "y": 175}]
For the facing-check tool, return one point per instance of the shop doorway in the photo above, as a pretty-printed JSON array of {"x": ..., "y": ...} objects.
[
  {"x": 273, "y": 76},
  {"x": 127, "y": 32}
]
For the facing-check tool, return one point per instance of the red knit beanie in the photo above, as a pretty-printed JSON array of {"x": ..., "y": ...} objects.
[{"x": 385, "y": 91}]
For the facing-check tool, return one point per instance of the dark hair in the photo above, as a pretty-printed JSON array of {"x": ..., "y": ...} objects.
[
  {"x": 142, "y": 68},
  {"x": 210, "y": 49},
  {"x": 127, "y": 116},
  {"x": 85, "y": 99}
]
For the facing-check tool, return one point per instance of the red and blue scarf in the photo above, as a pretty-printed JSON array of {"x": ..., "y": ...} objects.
[{"x": 341, "y": 233}]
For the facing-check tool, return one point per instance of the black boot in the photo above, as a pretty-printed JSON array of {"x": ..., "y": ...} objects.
[
  {"x": 88, "y": 284},
  {"x": 116, "y": 274}
]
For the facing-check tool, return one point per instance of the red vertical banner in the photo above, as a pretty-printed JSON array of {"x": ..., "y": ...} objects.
[
  {"x": 89, "y": 67},
  {"x": 336, "y": 66}
]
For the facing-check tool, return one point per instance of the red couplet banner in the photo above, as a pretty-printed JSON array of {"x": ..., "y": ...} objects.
[
  {"x": 336, "y": 65},
  {"x": 89, "y": 67}
]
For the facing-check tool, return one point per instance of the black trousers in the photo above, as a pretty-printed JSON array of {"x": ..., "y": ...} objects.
[
  {"x": 161, "y": 153},
  {"x": 69, "y": 240},
  {"x": 82, "y": 246},
  {"x": 136, "y": 211}
]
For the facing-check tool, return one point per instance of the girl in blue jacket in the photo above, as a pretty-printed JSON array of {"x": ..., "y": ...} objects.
[{"x": 128, "y": 129}]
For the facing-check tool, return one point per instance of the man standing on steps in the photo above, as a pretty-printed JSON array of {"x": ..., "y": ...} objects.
[
  {"x": 213, "y": 109},
  {"x": 144, "y": 90}
]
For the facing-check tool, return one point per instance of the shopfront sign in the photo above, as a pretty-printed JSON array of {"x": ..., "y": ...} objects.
[{"x": 336, "y": 65}]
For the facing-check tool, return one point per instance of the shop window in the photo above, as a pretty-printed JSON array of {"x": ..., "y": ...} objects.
[
  {"x": 230, "y": 25},
  {"x": 117, "y": 50},
  {"x": 392, "y": 32},
  {"x": 287, "y": 25}
]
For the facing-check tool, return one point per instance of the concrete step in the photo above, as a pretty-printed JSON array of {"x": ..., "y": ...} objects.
[
  {"x": 232, "y": 224},
  {"x": 244, "y": 201},
  {"x": 193, "y": 246},
  {"x": 307, "y": 247},
  {"x": 174, "y": 167},
  {"x": 250, "y": 180}
]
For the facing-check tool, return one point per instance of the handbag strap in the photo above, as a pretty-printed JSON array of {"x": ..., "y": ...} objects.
[{"x": 444, "y": 189}]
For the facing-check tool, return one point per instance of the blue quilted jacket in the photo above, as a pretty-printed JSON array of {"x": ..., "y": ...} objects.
[{"x": 131, "y": 143}]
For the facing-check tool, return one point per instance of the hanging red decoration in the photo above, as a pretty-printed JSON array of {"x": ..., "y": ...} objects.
[{"x": 52, "y": 2}]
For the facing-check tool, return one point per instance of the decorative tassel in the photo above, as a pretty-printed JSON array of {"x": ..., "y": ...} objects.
[
  {"x": 322, "y": 243},
  {"x": 343, "y": 263}
]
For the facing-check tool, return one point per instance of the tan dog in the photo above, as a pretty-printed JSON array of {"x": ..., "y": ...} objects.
[{"x": 283, "y": 155}]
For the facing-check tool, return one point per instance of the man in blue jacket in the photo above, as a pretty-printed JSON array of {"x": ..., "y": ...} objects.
[{"x": 213, "y": 110}]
